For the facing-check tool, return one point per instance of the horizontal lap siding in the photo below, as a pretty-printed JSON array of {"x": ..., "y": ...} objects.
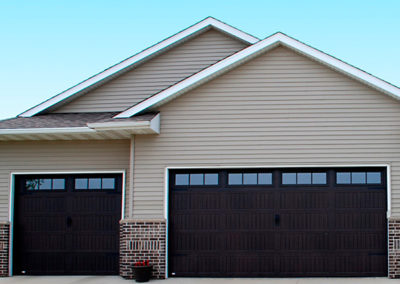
[
  {"x": 278, "y": 109},
  {"x": 157, "y": 74},
  {"x": 58, "y": 156}
]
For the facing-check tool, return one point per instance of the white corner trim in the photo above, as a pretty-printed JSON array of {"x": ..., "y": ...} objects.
[
  {"x": 61, "y": 130},
  {"x": 208, "y": 22},
  {"x": 249, "y": 53}
]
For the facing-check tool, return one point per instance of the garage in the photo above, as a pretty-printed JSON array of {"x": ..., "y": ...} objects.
[
  {"x": 67, "y": 224},
  {"x": 277, "y": 222}
]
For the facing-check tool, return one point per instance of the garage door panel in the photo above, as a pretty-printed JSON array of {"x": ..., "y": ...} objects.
[
  {"x": 248, "y": 230},
  {"x": 249, "y": 220},
  {"x": 43, "y": 222},
  {"x": 304, "y": 221},
  {"x": 354, "y": 264},
  {"x": 184, "y": 242},
  {"x": 249, "y": 199},
  {"x": 262, "y": 241},
  {"x": 37, "y": 204},
  {"x": 360, "y": 200},
  {"x": 360, "y": 241},
  {"x": 311, "y": 199},
  {"x": 251, "y": 264},
  {"x": 304, "y": 241},
  {"x": 198, "y": 220},
  {"x": 310, "y": 264},
  {"x": 355, "y": 220},
  {"x": 40, "y": 242},
  {"x": 83, "y": 203}
]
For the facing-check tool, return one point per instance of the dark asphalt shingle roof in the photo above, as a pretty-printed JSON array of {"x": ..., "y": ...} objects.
[{"x": 59, "y": 120}]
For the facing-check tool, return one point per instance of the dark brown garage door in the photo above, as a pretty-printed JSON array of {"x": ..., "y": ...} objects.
[
  {"x": 286, "y": 222},
  {"x": 67, "y": 224}
]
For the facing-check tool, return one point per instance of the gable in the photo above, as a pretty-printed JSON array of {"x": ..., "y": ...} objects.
[
  {"x": 157, "y": 74},
  {"x": 284, "y": 83}
]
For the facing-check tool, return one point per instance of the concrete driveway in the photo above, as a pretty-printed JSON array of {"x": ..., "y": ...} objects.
[{"x": 120, "y": 280}]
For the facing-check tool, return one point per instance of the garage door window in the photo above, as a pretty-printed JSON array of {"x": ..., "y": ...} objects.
[
  {"x": 250, "y": 178},
  {"x": 95, "y": 183},
  {"x": 358, "y": 178},
  {"x": 303, "y": 178},
  {"x": 196, "y": 179},
  {"x": 45, "y": 184}
]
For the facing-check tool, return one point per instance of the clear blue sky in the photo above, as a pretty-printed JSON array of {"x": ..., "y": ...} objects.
[{"x": 48, "y": 46}]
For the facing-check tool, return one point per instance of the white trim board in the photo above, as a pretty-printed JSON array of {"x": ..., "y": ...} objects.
[
  {"x": 12, "y": 199},
  {"x": 139, "y": 57},
  {"x": 249, "y": 53}
]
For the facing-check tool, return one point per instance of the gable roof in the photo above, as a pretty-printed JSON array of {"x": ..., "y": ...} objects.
[
  {"x": 146, "y": 54},
  {"x": 251, "y": 52}
]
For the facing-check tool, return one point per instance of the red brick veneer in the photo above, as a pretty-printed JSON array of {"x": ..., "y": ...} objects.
[{"x": 142, "y": 240}]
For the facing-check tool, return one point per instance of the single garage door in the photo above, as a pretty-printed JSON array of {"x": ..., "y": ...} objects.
[
  {"x": 278, "y": 222},
  {"x": 67, "y": 224}
]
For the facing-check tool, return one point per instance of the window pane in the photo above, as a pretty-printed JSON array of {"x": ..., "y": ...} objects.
[
  {"x": 235, "y": 179},
  {"x": 58, "y": 183},
  {"x": 264, "y": 178},
  {"x": 358, "y": 177},
  {"x": 373, "y": 177},
  {"x": 289, "y": 178},
  {"x": 303, "y": 178},
  {"x": 81, "y": 183},
  {"x": 249, "y": 178},
  {"x": 319, "y": 178},
  {"x": 45, "y": 184},
  {"x": 95, "y": 183},
  {"x": 211, "y": 179},
  {"x": 32, "y": 184},
  {"x": 108, "y": 183},
  {"x": 181, "y": 179},
  {"x": 196, "y": 179},
  {"x": 343, "y": 178}
]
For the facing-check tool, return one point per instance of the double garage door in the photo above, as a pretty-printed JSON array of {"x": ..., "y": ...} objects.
[
  {"x": 67, "y": 224},
  {"x": 278, "y": 222}
]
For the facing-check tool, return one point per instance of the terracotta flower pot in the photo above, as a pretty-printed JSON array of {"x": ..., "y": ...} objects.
[{"x": 142, "y": 273}]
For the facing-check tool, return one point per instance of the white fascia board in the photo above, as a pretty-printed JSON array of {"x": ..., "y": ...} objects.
[
  {"x": 250, "y": 52},
  {"x": 153, "y": 125},
  {"x": 64, "y": 130},
  {"x": 208, "y": 22}
]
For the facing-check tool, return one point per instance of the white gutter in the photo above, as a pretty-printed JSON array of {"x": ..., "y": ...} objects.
[{"x": 61, "y": 130}]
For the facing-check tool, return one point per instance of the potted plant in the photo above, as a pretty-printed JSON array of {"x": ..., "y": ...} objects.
[{"x": 142, "y": 271}]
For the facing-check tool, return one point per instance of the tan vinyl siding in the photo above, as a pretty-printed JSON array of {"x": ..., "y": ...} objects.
[
  {"x": 50, "y": 156},
  {"x": 278, "y": 109},
  {"x": 157, "y": 74}
]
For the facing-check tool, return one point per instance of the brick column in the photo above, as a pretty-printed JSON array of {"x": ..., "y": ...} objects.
[
  {"x": 394, "y": 247},
  {"x": 4, "y": 248},
  {"x": 142, "y": 240}
]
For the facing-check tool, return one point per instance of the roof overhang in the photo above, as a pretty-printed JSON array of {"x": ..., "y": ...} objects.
[
  {"x": 119, "y": 129},
  {"x": 248, "y": 54},
  {"x": 131, "y": 62}
]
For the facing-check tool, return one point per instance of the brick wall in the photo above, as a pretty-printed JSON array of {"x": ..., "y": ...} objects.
[
  {"x": 394, "y": 248},
  {"x": 4, "y": 251},
  {"x": 142, "y": 240}
]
